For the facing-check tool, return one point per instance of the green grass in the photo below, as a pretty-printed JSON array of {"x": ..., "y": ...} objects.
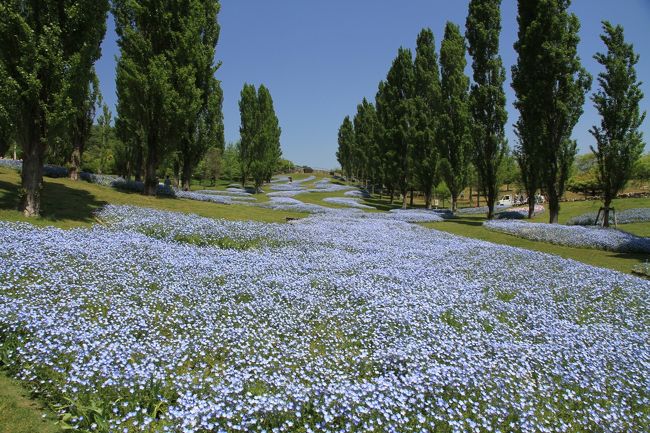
[
  {"x": 68, "y": 204},
  {"x": 21, "y": 414},
  {"x": 472, "y": 226}
]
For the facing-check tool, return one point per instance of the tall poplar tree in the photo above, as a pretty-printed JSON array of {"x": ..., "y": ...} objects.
[
  {"x": 147, "y": 97},
  {"x": 455, "y": 152},
  {"x": 619, "y": 141},
  {"x": 202, "y": 117},
  {"x": 259, "y": 146},
  {"x": 267, "y": 144},
  {"x": 247, "y": 129},
  {"x": 487, "y": 98},
  {"x": 550, "y": 85},
  {"x": 346, "y": 140},
  {"x": 427, "y": 115},
  {"x": 399, "y": 118},
  {"x": 85, "y": 103},
  {"x": 365, "y": 126},
  {"x": 44, "y": 47}
]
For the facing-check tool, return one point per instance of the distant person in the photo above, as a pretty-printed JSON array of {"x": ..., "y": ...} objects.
[{"x": 168, "y": 182}]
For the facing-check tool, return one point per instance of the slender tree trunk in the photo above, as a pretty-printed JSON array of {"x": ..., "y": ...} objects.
[
  {"x": 405, "y": 195},
  {"x": 32, "y": 179},
  {"x": 427, "y": 198},
  {"x": 75, "y": 157},
  {"x": 32, "y": 172},
  {"x": 411, "y": 201},
  {"x": 186, "y": 176},
  {"x": 150, "y": 178},
  {"x": 553, "y": 207},
  {"x": 531, "y": 205},
  {"x": 74, "y": 164},
  {"x": 608, "y": 202},
  {"x": 454, "y": 202},
  {"x": 392, "y": 195},
  {"x": 490, "y": 198}
]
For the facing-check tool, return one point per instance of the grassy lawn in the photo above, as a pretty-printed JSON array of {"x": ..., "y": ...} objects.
[
  {"x": 21, "y": 414},
  {"x": 68, "y": 204},
  {"x": 471, "y": 226}
]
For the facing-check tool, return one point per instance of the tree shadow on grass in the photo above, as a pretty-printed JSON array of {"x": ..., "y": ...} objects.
[
  {"x": 58, "y": 201},
  {"x": 466, "y": 221},
  {"x": 381, "y": 204}
]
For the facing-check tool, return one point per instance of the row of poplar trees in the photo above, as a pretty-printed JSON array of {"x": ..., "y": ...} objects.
[
  {"x": 169, "y": 102},
  {"x": 429, "y": 123}
]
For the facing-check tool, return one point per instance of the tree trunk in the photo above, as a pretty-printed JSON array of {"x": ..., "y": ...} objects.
[
  {"x": 553, "y": 207},
  {"x": 608, "y": 202},
  {"x": 32, "y": 179},
  {"x": 33, "y": 153},
  {"x": 405, "y": 195},
  {"x": 75, "y": 161},
  {"x": 531, "y": 205},
  {"x": 454, "y": 202},
  {"x": 427, "y": 199},
  {"x": 490, "y": 204},
  {"x": 186, "y": 176},
  {"x": 150, "y": 179},
  {"x": 411, "y": 202}
]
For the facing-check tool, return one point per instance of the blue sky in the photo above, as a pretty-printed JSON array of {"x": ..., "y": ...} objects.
[{"x": 320, "y": 58}]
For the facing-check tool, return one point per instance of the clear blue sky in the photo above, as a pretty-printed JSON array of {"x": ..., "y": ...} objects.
[{"x": 320, "y": 58}]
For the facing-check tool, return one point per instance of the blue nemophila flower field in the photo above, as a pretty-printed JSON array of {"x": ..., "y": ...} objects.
[
  {"x": 347, "y": 201},
  {"x": 573, "y": 236},
  {"x": 627, "y": 216},
  {"x": 332, "y": 323}
]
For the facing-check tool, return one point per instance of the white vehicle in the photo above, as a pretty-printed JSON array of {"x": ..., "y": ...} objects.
[{"x": 507, "y": 200}]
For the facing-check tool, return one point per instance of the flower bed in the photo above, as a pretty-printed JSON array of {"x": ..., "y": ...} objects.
[
  {"x": 518, "y": 213},
  {"x": 347, "y": 201},
  {"x": 627, "y": 216},
  {"x": 573, "y": 236},
  {"x": 347, "y": 324},
  {"x": 357, "y": 193}
]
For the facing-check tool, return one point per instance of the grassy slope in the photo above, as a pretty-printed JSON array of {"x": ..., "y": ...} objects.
[
  {"x": 69, "y": 204},
  {"x": 19, "y": 413}
]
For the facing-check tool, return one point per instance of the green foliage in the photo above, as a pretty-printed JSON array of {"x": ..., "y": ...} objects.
[
  {"x": 230, "y": 163},
  {"x": 549, "y": 98},
  {"x": 396, "y": 112},
  {"x": 347, "y": 144},
  {"x": 259, "y": 147},
  {"x": 365, "y": 154},
  {"x": 47, "y": 52},
  {"x": 7, "y": 98},
  {"x": 455, "y": 121},
  {"x": 210, "y": 166},
  {"x": 427, "y": 113},
  {"x": 619, "y": 141},
  {"x": 201, "y": 117},
  {"x": 509, "y": 170},
  {"x": 641, "y": 169},
  {"x": 487, "y": 98},
  {"x": 584, "y": 176},
  {"x": 168, "y": 98}
]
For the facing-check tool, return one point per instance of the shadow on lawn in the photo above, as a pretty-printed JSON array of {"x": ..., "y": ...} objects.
[{"x": 58, "y": 202}]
